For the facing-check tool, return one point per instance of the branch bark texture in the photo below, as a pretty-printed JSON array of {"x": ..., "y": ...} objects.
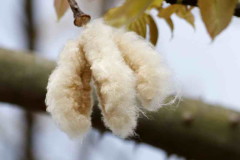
[
  {"x": 30, "y": 36},
  {"x": 192, "y": 129}
]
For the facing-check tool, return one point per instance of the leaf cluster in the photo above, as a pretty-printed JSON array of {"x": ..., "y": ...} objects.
[{"x": 135, "y": 15}]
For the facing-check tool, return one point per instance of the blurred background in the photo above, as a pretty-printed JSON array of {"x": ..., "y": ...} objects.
[{"x": 203, "y": 70}]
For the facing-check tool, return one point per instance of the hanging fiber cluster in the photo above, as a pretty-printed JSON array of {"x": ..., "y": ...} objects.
[{"x": 125, "y": 70}]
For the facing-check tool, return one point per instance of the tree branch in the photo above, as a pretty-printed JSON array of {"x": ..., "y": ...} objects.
[
  {"x": 80, "y": 18},
  {"x": 194, "y": 129},
  {"x": 30, "y": 36},
  {"x": 195, "y": 2}
]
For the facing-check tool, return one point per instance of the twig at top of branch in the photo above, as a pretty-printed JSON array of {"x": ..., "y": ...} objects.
[
  {"x": 80, "y": 18},
  {"x": 194, "y": 3}
]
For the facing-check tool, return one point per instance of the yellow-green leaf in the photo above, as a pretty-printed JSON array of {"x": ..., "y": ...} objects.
[
  {"x": 136, "y": 28},
  {"x": 170, "y": 23},
  {"x": 181, "y": 11},
  {"x": 127, "y": 13},
  {"x": 167, "y": 12},
  {"x": 61, "y": 7},
  {"x": 143, "y": 26},
  {"x": 153, "y": 30},
  {"x": 155, "y": 4},
  {"x": 216, "y": 14},
  {"x": 132, "y": 27},
  {"x": 185, "y": 13},
  {"x": 139, "y": 26}
]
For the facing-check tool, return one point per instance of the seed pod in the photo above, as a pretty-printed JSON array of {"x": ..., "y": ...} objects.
[
  {"x": 114, "y": 80},
  {"x": 69, "y": 93},
  {"x": 150, "y": 71}
]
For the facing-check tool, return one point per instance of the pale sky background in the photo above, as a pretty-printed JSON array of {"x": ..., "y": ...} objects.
[{"x": 203, "y": 69}]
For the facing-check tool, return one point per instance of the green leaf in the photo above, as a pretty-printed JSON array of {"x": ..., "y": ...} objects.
[
  {"x": 127, "y": 13},
  {"x": 61, "y": 7},
  {"x": 216, "y": 14}
]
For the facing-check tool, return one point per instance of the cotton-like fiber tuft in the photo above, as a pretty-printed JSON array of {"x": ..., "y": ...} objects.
[
  {"x": 68, "y": 96},
  {"x": 124, "y": 68},
  {"x": 113, "y": 78},
  {"x": 152, "y": 75}
]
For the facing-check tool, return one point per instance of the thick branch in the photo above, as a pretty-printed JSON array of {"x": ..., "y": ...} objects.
[
  {"x": 194, "y": 129},
  {"x": 80, "y": 18},
  {"x": 194, "y": 3}
]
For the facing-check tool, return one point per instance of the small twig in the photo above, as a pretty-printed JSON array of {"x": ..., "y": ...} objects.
[{"x": 80, "y": 18}]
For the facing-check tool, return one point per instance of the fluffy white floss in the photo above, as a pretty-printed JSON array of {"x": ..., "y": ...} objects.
[
  {"x": 114, "y": 80},
  {"x": 68, "y": 92},
  {"x": 151, "y": 72},
  {"x": 124, "y": 68}
]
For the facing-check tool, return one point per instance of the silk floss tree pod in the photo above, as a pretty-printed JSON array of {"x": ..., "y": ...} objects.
[
  {"x": 125, "y": 69},
  {"x": 69, "y": 93},
  {"x": 152, "y": 74},
  {"x": 114, "y": 80}
]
